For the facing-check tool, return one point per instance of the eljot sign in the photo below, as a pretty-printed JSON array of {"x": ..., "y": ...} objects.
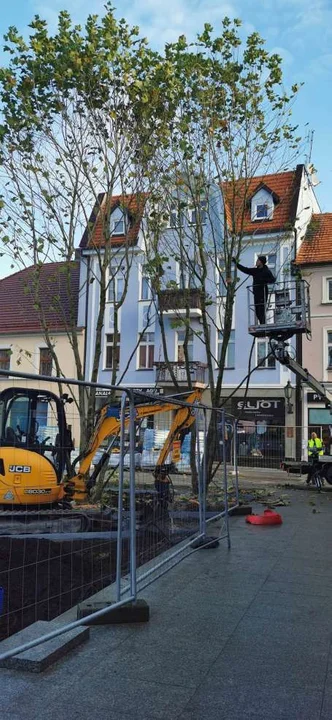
[{"x": 257, "y": 408}]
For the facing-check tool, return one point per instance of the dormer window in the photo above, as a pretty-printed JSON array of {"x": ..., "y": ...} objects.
[
  {"x": 262, "y": 203},
  {"x": 117, "y": 222}
]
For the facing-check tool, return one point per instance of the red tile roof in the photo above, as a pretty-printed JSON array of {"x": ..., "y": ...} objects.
[
  {"x": 285, "y": 188},
  {"x": 96, "y": 232},
  {"x": 317, "y": 244},
  {"x": 58, "y": 295}
]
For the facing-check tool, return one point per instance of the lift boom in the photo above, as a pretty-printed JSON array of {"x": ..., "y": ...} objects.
[{"x": 281, "y": 353}]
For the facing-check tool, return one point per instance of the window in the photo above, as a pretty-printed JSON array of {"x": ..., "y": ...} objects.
[
  {"x": 224, "y": 280},
  {"x": 230, "y": 352},
  {"x": 329, "y": 350},
  {"x": 112, "y": 352},
  {"x": 193, "y": 219},
  {"x": 146, "y": 351},
  {"x": 190, "y": 275},
  {"x": 145, "y": 293},
  {"x": 117, "y": 222},
  {"x": 116, "y": 283},
  {"x": 182, "y": 336},
  {"x": 175, "y": 215},
  {"x": 45, "y": 362},
  {"x": 262, "y": 211},
  {"x": 327, "y": 290},
  {"x": 271, "y": 259},
  {"x": 5, "y": 359},
  {"x": 262, "y": 351}
]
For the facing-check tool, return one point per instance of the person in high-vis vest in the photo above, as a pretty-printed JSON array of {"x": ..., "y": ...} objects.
[{"x": 315, "y": 448}]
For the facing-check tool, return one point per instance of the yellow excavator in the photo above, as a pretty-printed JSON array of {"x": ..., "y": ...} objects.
[{"x": 35, "y": 467}]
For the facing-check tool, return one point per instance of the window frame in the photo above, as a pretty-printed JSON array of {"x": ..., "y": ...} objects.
[
  {"x": 147, "y": 345},
  {"x": 41, "y": 362},
  {"x": 328, "y": 345},
  {"x": 144, "y": 277},
  {"x": 9, "y": 351},
  {"x": 190, "y": 345},
  {"x": 115, "y": 278},
  {"x": 114, "y": 222},
  {"x": 262, "y": 205},
  {"x": 228, "y": 364},
  {"x": 273, "y": 266},
  {"x": 326, "y": 280},
  {"x": 202, "y": 213},
  {"x": 110, "y": 345},
  {"x": 266, "y": 366}
]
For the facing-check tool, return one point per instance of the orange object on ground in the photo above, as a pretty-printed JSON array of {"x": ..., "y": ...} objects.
[{"x": 269, "y": 517}]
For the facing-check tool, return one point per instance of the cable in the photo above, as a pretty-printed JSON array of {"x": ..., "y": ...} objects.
[{"x": 246, "y": 376}]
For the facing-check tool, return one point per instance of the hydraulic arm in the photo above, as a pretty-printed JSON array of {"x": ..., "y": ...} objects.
[
  {"x": 281, "y": 353},
  {"x": 108, "y": 426}
]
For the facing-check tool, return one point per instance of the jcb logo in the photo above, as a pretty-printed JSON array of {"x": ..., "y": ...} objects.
[{"x": 20, "y": 468}]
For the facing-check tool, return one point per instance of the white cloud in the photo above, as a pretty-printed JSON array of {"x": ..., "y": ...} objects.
[
  {"x": 159, "y": 21},
  {"x": 286, "y": 56}
]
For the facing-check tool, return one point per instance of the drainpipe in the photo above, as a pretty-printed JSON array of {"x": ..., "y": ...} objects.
[
  {"x": 298, "y": 384},
  {"x": 86, "y": 314}
]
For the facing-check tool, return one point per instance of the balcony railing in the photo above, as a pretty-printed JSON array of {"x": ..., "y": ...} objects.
[
  {"x": 197, "y": 372},
  {"x": 174, "y": 301}
]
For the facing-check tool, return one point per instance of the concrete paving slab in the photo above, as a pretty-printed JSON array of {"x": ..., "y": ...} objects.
[
  {"x": 273, "y": 654},
  {"x": 277, "y": 606},
  {"x": 248, "y": 703},
  {"x": 327, "y": 706},
  {"x": 236, "y": 589},
  {"x": 37, "y": 659},
  {"x": 111, "y": 696},
  {"x": 226, "y": 639}
]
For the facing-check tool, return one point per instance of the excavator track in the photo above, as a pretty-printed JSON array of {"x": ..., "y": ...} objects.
[{"x": 31, "y": 522}]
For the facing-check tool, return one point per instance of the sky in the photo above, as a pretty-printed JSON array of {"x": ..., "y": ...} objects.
[{"x": 299, "y": 30}]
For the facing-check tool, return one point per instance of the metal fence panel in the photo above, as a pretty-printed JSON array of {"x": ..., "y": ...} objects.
[{"x": 141, "y": 510}]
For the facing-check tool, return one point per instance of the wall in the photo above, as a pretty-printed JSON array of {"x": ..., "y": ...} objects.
[
  {"x": 25, "y": 358},
  {"x": 315, "y": 351}
]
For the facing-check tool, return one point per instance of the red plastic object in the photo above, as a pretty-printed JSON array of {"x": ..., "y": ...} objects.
[{"x": 269, "y": 517}]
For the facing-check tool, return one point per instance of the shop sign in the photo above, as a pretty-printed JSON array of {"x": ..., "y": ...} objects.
[{"x": 258, "y": 408}]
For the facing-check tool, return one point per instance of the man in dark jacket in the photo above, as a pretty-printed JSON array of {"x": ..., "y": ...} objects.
[{"x": 262, "y": 277}]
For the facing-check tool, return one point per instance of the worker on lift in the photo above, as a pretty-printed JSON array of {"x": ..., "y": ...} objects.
[
  {"x": 262, "y": 277},
  {"x": 315, "y": 448}
]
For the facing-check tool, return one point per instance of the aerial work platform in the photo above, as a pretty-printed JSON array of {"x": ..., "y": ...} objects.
[{"x": 285, "y": 313}]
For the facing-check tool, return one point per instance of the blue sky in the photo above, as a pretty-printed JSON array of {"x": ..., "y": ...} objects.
[{"x": 299, "y": 30}]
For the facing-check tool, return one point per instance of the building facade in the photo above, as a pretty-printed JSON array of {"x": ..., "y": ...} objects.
[
  {"x": 277, "y": 213},
  {"x": 23, "y": 347},
  {"x": 315, "y": 260}
]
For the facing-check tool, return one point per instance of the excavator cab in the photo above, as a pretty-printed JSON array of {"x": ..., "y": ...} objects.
[{"x": 35, "y": 446}]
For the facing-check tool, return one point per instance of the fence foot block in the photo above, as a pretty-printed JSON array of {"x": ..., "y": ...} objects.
[
  {"x": 40, "y": 657},
  {"x": 241, "y": 510},
  {"x": 206, "y": 543},
  {"x": 132, "y": 612}
]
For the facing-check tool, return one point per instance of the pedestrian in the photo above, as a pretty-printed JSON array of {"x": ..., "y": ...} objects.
[
  {"x": 315, "y": 448},
  {"x": 262, "y": 277}
]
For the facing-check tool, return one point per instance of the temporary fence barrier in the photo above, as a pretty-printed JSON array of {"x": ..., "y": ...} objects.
[{"x": 152, "y": 500}]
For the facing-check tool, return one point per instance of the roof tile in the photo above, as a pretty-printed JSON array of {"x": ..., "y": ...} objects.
[
  {"x": 317, "y": 244},
  {"x": 95, "y": 235},
  {"x": 57, "y": 293}
]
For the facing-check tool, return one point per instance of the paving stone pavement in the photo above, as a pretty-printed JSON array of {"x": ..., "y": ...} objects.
[{"x": 234, "y": 634}]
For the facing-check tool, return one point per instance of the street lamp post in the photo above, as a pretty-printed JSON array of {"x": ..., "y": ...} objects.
[{"x": 288, "y": 392}]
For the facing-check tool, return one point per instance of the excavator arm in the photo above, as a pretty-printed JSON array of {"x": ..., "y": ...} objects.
[{"x": 108, "y": 425}]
